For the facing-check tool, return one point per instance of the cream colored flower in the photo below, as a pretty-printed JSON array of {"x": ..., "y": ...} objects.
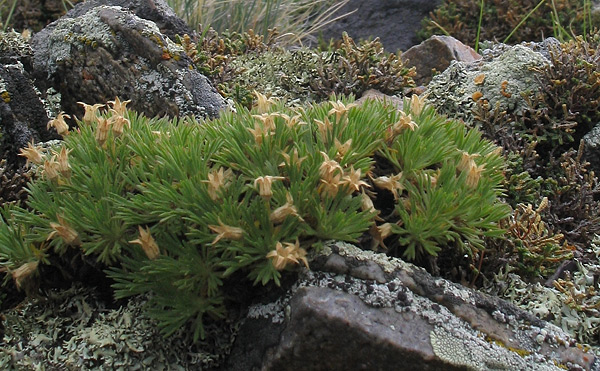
[
  {"x": 392, "y": 184},
  {"x": 21, "y": 274},
  {"x": 293, "y": 159},
  {"x": 268, "y": 120},
  {"x": 102, "y": 130},
  {"x": 262, "y": 102},
  {"x": 51, "y": 168},
  {"x": 353, "y": 180},
  {"x": 119, "y": 107},
  {"x": 292, "y": 121},
  {"x": 329, "y": 168},
  {"x": 63, "y": 230},
  {"x": 217, "y": 179},
  {"x": 265, "y": 183},
  {"x": 32, "y": 154},
  {"x": 474, "y": 174},
  {"x": 91, "y": 112},
  {"x": 417, "y": 104},
  {"x": 330, "y": 186},
  {"x": 226, "y": 232},
  {"x": 278, "y": 215},
  {"x": 340, "y": 109},
  {"x": 148, "y": 243},
  {"x": 291, "y": 253},
  {"x": 467, "y": 160},
  {"x": 324, "y": 127},
  {"x": 63, "y": 162},
  {"x": 405, "y": 122},
  {"x": 379, "y": 234},
  {"x": 118, "y": 123},
  {"x": 59, "y": 123},
  {"x": 341, "y": 149},
  {"x": 259, "y": 132},
  {"x": 366, "y": 204}
]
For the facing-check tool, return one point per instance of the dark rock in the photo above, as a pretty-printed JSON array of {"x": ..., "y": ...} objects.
[
  {"x": 22, "y": 115},
  {"x": 395, "y": 22},
  {"x": 108, "y": 52},
  {"x": 396, "y": 317},
  {"x": 435, "y": 54}
]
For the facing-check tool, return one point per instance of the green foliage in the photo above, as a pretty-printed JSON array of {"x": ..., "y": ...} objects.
[
  {"x": 188, "y": 210},
  {"x": 560, "y": 18},
  {"x": 543, "y": 143},
  {"x": 240, "y": 63},
  {"x": 450, "y": 179}
]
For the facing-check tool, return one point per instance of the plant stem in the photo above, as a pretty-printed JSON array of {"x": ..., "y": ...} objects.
[
  {"x": 479, "y": 26},
  {"x": 524, "y": 19}
]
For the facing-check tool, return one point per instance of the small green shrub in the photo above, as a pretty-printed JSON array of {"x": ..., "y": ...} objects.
[
  {"x": 240, "y": 63},
  {"x": 187, "y": 210}
]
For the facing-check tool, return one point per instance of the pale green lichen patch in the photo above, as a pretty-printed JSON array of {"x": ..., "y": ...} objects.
[
  {"x": 73, "y": 330},
  {"x": 86, "y": 31},
  {"x": 12, "y": 42},
  {"x": 502, "y": 81}
]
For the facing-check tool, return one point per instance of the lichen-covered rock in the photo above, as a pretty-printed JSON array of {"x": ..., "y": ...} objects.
[
  {"x": 107, "y": 52},
  {"x": 361, "y": 310},
  {"x": 157, "y": 11},
  {"x": 500, "y": 80},
  {"x": 22, "y": 115}
]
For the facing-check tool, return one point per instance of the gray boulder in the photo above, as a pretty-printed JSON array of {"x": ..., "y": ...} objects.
[
  {"x": 108, "y": 51},
  {"x": 358, "y": 310},
  {"x": 501, "y": 79}
]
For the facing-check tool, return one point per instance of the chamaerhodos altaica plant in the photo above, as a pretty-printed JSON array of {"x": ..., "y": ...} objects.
[{"x": 178, "y": 208}]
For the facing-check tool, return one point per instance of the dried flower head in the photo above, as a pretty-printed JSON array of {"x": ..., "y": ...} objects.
[
  {"x": 292, "y": 121},
  {"x": 259, "y": 132},
  {"x": 51, "y": 168},
  {"x": 25, "y": 271},
  {"x": 32, "y": 154},
  {"x": 262, "y": 102},
  {"x": 366, "y": 204},
  {"x": 264, "y": 184},
  {"x": 293, "y": 159},
  {"x": 118, "y": 123},
  {"x": 291, "y": 253},
  {"x": 268, "y": 120},
  {"x": 226, "y": 232},
  {"x": 340, "y": 109},
  {"x": 353, "y": 180},
  {"x": 417, "y": 104},
  {"x": 91, "y": 112},
  {"x": 278, "y": 215},
  {"x": 63, "y": 230},
  {"x": 63, "y": 162},
  {"x": 119, "y": 107},
  {"x": 217, "y": 180},
  {"x": 405, "y": 122},
  {"x": 59, "y": 123},
  {"x": 474, "y": 174},
  {"x": 324, "y": 127},
  {"x": 102, "y": 130},
  {"x": 379, "y": 234},
  {"x": 329, "y": 169},
  {"x": 341, "y": 148},
  {"x": 392, "y": 183},
  {"x": 148, "y": 243}
]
